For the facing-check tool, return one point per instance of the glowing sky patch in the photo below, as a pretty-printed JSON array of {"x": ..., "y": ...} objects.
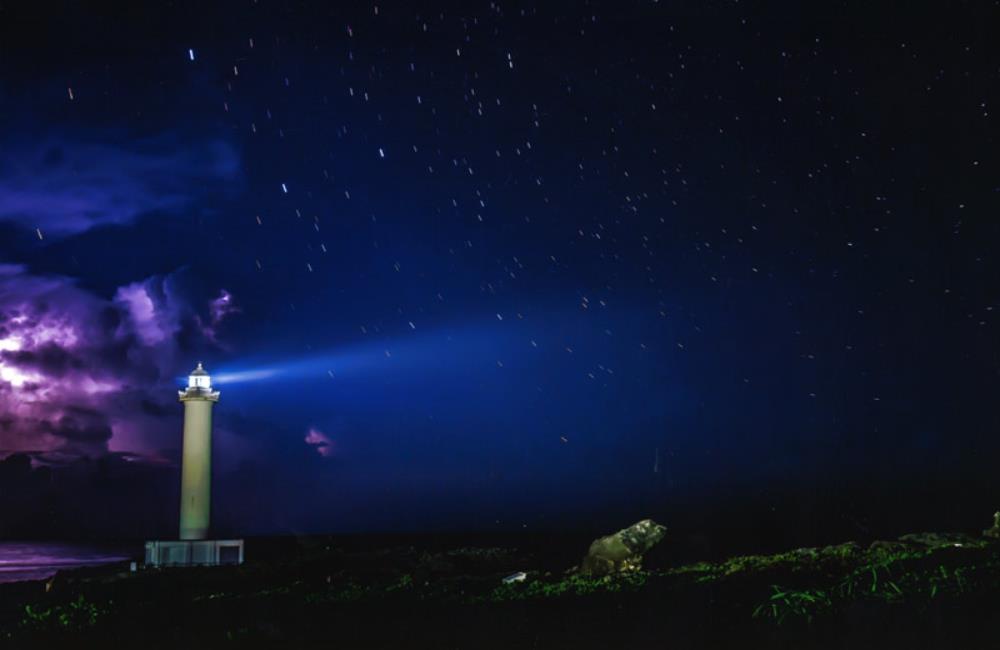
[
  {"x": 17, "y": 377},
  {"x": 10, "y": 344}
]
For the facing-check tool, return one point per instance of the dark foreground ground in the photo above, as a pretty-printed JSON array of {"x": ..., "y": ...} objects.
[{"x": 920, "y": 591}]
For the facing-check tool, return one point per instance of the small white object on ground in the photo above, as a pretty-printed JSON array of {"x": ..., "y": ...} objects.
[{"x": 515, "y": 577}]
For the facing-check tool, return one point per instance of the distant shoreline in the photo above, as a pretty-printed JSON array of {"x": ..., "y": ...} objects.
[{"x": 33, "y": 561}]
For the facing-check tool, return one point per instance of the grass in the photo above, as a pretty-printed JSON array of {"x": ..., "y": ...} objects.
[
  {"x": 914, "y": 577},
  {"x": 77, "y": 614},
  {"x": 783, "y": 604}
]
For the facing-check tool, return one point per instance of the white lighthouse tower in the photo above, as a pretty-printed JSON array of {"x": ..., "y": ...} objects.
[
  {"x": 196, "y": 464},
  {"x": 196, "y": 486}
]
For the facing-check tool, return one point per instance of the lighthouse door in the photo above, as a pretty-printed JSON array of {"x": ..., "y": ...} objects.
[{"x": 229, "y": 554}]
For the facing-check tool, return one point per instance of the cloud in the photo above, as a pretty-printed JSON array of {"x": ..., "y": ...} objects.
[
  {"x": 81, "y": 375},
  {"x": 152, "y": 309},
  {"x": 219, "y": 309},
  {"x": 79, "y": 424},
  {"x": 67, "y": 186},
  {"x": 320, "y": 442},
  {"x": 142, "y": 314}
]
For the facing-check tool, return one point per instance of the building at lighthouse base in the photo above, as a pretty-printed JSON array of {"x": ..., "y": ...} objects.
[{"x": 194, "y": 552}]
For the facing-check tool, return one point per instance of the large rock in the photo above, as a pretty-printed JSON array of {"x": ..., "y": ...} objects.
[
  {"x": 623, "y": 550},
  {"x": 994, "y": 532}
]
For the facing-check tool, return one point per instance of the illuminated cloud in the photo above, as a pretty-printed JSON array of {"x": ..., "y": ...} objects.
[
  {"x": 152, "y": 325},
  {"x": 83, "y": 376}
]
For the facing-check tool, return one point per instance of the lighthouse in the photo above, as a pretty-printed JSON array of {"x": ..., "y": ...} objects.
[
  {"x": 196, "y": 461},
  {"x": 194, "y": 547}
]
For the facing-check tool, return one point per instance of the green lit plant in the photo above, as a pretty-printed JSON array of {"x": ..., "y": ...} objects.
[
  {"x": 786, "y": 604},
  {"x": 75, "y": 615}
]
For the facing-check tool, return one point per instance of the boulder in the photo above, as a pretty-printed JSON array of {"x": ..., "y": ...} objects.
[
  {"x": 622, "y": 551},
  {"x": 994, "y": 531}
]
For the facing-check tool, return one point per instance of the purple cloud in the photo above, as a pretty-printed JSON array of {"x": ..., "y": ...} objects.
[
  {"x": 81, "y": 375},
  {"x": 219, "y": 309},
  {"x": 152, "y": 325},
  {"x": 320, "y": 442},
  {"x": 65, "y": 187}
]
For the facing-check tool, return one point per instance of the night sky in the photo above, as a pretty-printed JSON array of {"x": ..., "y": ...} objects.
[{"x": 501, "y": 266}]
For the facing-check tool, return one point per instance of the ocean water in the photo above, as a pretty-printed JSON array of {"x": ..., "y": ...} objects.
[{"x": 39, "y": 560}]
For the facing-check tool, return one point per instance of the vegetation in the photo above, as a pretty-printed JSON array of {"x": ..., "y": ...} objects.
[
  {"x": 77, "y": 614},
  {"x": 913, "y": 577},
  {"x": 804, "y": 591}
]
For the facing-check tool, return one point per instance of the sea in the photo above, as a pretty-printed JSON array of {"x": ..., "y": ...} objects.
[{"x": 21, "y": 561}]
